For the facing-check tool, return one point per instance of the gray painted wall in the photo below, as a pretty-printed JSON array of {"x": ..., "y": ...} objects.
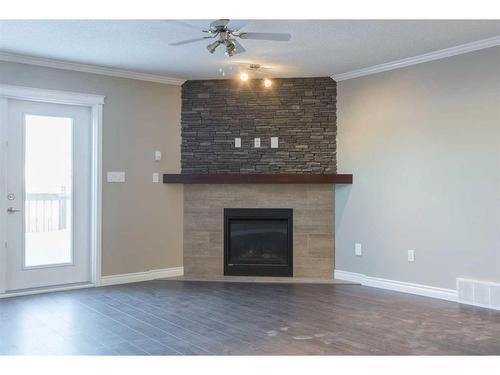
[
  {"x": 142, "y": 221},
  {"x": 423, "y": 143}
]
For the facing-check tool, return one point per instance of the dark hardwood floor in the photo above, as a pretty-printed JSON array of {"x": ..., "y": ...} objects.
[{"x": 202, "y": 318}]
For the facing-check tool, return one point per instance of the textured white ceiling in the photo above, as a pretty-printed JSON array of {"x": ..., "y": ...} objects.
[{"x": 317, "y": 48}]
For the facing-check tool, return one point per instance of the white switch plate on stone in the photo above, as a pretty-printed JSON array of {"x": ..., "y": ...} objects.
[
  {"x": 256, "y": 142},
  {"x": 274, "y": 142},
  {"x": 116, "y": 176},
  {"x": 358, "y": 250},
  {"x": 237, "y": 142}
]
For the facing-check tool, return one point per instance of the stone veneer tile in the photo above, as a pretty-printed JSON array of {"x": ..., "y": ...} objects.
[{"x": 300, "y": 111}]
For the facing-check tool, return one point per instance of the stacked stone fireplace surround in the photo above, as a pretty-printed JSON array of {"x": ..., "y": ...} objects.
[{"x": 301, "y": 112}]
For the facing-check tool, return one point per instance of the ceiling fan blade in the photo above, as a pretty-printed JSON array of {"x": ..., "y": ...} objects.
[
  {"x": 237, "y": 25},
  {"x": 218, "y": 23},
  {"x": 239, "y": 48},
  {"x": 190, "y": 41},
  {"x": 278, "y": 37}
]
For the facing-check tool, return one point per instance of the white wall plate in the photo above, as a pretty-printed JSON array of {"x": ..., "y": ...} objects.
[
  {"x": 274, "y": 142},
  {"x": 116, "y": 176}
]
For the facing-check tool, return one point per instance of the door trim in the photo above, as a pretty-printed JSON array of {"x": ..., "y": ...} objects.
[
  {"x": 59, "y": 288},
  {"x": 95, "y": 103},
  {"x": 50, "y": 96}
]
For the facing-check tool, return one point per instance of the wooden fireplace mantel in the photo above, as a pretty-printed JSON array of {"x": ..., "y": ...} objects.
[{"x": 257, "y": 178}]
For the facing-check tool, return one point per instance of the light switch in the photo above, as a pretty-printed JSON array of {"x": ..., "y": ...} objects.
[
  {"x": 116, "y": 176},
  {"x": 358, "y": 250},
  {"x": 274, "y": 142},
  {"x": 237, "y": 142},
  {"x": 411, "y": 255},
  {"x": 256, "y": 142},
  {"x": 156, "y": 177},
  {"x": 157, "y": 155}
]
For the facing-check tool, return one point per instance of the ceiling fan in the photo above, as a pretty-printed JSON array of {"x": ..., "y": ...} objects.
[{"x": 226, "y": 36}]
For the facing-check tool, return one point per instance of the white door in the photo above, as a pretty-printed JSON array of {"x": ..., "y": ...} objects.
[{"x": 48, "y": 180}]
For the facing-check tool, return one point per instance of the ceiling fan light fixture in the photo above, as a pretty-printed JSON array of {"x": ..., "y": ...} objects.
[
  {"x": 268, "y": 82},
  {"x": 213, "y": 46},
  {"x": 230, "y": 48}
]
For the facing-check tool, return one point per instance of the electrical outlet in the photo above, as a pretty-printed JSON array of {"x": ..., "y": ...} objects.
[
  {"x": 358, "y": 250},
  {"x": 256, "y": 142},
  {"x": 237, "y": 142},
  {"x": 411, "y": 255}
]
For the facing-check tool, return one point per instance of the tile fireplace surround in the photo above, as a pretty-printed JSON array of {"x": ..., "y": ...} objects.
[{"x": 313, "y": 224}]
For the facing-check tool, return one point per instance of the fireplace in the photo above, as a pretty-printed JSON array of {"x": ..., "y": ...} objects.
[
  {"x": 312, "y": 205},
  {"x": 258, "y": 242}
]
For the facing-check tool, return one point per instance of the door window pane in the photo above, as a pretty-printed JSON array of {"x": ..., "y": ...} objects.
[{"x": 48, "y": 179}]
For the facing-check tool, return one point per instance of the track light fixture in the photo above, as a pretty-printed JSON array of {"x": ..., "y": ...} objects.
[
  {"x": 245, "y": 77},
  {"x": 256, "y": 74}
]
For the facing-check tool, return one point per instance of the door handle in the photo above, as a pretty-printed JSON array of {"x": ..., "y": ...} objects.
[{"x": 11, "y": 210}]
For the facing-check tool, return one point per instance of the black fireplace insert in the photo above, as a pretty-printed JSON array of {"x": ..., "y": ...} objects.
[{"x": 258, "y": 242}]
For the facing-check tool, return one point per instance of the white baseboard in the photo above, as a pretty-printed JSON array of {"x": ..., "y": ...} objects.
[
  {"x": 399, "y": 286},
  {"x": 141, "y": 276}
]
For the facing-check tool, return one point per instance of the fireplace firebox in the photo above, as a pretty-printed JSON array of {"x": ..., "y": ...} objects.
[{"x": 258, "y": 242}]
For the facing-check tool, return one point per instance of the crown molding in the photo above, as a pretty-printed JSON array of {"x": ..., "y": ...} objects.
[
  {"x": 49, "y": 96},
  {"x": 435, "y": 55},
  {"x": 95, "y": 69}
]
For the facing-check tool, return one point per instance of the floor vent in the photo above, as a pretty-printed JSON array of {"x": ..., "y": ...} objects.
[{"x": 479, "y": 293}]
